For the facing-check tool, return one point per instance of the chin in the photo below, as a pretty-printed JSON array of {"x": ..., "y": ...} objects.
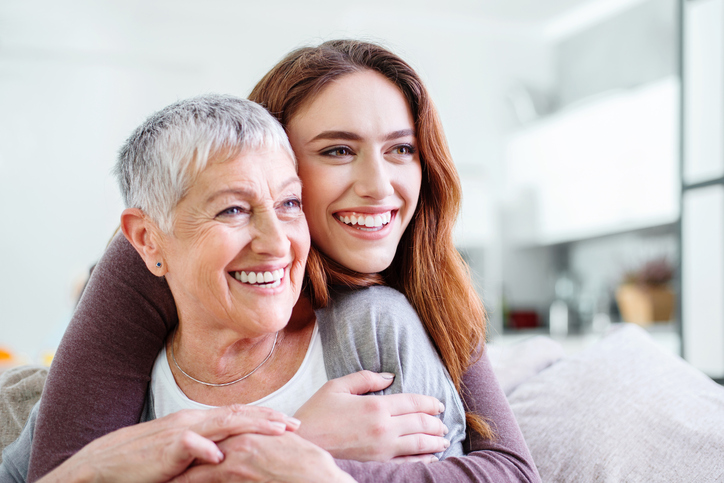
[{"x": 367, "y": 266}]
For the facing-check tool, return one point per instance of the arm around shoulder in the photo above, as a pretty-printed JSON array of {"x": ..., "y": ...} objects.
[
  {"x": 106, "y": 354},
  {"x": 506, "y": 458}
]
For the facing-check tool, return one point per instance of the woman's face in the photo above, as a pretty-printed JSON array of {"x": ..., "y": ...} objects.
[
  {"x": 357, "y": 155},
  {"x": 239, "y": 244}
]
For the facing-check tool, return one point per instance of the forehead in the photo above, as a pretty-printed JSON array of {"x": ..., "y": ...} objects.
[
  {"x": 265, "y": 170},
  {"x": 360, "y": 99}
]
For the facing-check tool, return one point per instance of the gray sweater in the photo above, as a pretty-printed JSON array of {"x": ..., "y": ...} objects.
[{"x": 377, "y": 329}]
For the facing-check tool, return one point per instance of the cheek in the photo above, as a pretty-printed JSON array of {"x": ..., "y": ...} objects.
[
  {"x": 300, "y": 240},
  {"x": 409, "y": 185},
  {"x": 314, "y": 213},
  {"x": 316, "y": 197}
]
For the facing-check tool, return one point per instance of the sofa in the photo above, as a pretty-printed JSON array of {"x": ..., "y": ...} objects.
[{"x": 622, "y": 410}]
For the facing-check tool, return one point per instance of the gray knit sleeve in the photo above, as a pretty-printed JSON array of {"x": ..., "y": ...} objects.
[
  {"x": 16, "y": 457},
  {"x": 377, "y": 329}
]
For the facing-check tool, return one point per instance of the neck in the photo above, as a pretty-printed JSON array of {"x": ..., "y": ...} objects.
[
  {"x": 302, "y": 314},
  {"x": 217, "y": 356}
]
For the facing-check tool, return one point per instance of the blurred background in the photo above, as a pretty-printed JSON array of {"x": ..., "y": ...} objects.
[{"x": 588, "y": 135}]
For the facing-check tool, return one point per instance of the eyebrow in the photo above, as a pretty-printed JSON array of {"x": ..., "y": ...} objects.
[
  {"x": 250, "y": 193},
  {"x": 400, "y": 134},
  {"x": 350, "y": 136}
]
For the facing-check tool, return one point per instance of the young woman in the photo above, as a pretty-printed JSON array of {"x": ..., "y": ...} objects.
[
  {"x": 363, "y": 154},
  {"x": 214, "y": 205}
]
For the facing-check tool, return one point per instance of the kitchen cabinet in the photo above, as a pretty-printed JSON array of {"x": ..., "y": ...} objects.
[{"x": 608, "y": 164}]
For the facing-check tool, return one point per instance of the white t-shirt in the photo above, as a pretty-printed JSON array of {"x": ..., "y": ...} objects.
[{"x": 168, "y": 397}]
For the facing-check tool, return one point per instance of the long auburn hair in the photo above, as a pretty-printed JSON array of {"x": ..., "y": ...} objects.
[{"x": 426, "y": 268}]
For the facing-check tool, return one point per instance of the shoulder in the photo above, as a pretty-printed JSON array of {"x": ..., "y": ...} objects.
[
  {"x": 380, "y": 314},
  {"x": 378, "y": 302}
]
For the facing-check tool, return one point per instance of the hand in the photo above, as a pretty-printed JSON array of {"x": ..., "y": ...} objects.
[
  {"x": 372, "y": 428},
  {"x": 253, "y": 457},
  {"x": 158, "y": 450}
]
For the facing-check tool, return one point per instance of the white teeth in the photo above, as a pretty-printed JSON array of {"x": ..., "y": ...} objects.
[
  {"x": 368, "y": 221},
  {"x": 272, "y": 279}
]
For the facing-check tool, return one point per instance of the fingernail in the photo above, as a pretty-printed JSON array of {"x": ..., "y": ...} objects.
[
  {"x": 434, "y": 459},
  {"x": 444, "y": 429},
  {"x": 387, "y": 375},
  {"x": 442, "y": 408},
  {"x": 293, "y": 421},
  {"x": 278, "y": 425},
  {"x": 446, "y": 444},
  {"x": 220, "y": 455}
]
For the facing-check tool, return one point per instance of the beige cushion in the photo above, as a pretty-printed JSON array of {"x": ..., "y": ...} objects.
[
  {"x": 20, "y": 389},
  {"x": 515, "y": 364},
  {"x": 623, "y": 410}
]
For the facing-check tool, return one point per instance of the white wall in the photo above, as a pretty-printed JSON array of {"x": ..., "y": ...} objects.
[{"x": 77, "y": 76}]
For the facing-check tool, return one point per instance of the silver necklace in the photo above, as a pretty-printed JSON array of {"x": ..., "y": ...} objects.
[{"x": 173, "y": 356}]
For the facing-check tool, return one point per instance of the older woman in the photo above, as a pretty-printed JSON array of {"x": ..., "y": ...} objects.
[{"x": 215, "y": 208}]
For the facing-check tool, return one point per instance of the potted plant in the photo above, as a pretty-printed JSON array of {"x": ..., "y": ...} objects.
[{"x": 645, "y": 295}]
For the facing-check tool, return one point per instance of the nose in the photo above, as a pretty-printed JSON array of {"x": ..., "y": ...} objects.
[
  {"x": 270, "y": 237},
  {"x": 372, "y": 177}
]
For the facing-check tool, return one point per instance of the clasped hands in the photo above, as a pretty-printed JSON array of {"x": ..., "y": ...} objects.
[{"x": 251, "y": 443}]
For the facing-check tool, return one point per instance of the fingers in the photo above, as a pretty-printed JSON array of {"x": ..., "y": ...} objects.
[
  {"x": 197, "y": 474},
  {"x": 420, "y": 444},
  {"x": 419, "y": 423},
  {"x": 220, "y": 423},
  {"x": 362, "y": 382},
  {"x": 399, "y": 404},
  {"x": 212, "y": 474},
  {"x": 191, "y": 446}
]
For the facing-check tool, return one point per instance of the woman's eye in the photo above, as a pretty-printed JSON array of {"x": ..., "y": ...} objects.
[
  {"x": 232, "y": 211},
  {"x": 404, "y": 149},
  {"x": 289, "y": 209},
  {"x": 338, "y": 151},
  {"x": 292, "y": 204}
]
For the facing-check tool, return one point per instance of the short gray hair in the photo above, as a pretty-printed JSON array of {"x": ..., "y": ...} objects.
[{"x": 163, "y": 157}]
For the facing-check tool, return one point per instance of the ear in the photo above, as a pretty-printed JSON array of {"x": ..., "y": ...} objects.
[{"x": 145, "y": 236}]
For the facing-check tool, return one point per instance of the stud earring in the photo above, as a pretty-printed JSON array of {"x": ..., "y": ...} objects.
[{"x": 158, "y": 264}]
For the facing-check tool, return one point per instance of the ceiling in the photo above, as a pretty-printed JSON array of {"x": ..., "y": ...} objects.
[{"x": 527, "y": 10}]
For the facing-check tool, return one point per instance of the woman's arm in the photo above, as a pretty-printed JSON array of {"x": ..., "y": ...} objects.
[
  {"x": 99, "y": 376},
  {"x": 505, "y": 459},
  {"x": 376, "y": 329},
  {"x": 159, "y": 450}
]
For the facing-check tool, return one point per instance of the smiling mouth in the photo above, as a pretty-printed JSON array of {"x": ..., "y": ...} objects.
[
  {"x": 366, "y": 222},
  {"x": 270, "y": 279}
]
